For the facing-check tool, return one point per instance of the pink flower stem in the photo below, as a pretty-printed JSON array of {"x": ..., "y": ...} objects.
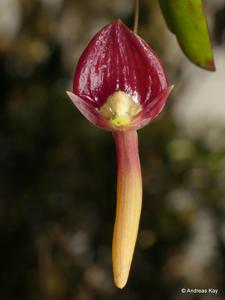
[{"x": 129, "y": 202}]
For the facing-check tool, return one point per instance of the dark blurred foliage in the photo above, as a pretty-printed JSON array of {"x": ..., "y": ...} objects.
[{"x": 58, "y": 172}]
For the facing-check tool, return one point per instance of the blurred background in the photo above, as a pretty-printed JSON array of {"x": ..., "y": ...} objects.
[{"x": 58, "y": 172}]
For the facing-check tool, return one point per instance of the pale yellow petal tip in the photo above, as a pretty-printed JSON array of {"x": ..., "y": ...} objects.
[
  {"x": 120, "y": 281},
  {"x": 70, "y": 94},
  {"x": 171, "y": 88}
]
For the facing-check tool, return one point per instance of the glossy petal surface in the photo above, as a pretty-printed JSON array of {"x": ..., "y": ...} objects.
[
  {"x": 117, "y": 59},
  {"x": 152, "y": 110},
  {"x": 90, "y": 113}
]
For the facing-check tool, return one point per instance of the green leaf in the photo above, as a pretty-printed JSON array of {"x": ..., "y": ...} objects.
[{"x": 186, "y": 19}]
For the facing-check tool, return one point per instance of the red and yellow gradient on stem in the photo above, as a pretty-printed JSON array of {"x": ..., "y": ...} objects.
[
  {"x": 129, "y": 202},
  {"x": 120, "y": 86}
]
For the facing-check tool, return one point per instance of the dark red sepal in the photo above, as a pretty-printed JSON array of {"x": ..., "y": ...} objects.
[{"x": 117, "y": 59}]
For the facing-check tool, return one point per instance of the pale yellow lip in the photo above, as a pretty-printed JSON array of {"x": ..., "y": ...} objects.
[
  {"x": 120, "y": 108},
  {"x": 129, "y": 202}
]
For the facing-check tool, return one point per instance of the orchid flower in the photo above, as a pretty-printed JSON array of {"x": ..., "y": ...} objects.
[{"x": 120, "y": 86}]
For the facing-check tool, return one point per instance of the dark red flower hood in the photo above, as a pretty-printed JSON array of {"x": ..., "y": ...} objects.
[{"x": 117, "y": 60}]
